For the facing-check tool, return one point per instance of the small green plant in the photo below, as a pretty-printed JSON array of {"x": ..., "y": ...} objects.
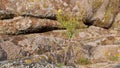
[
  {"x": 60, "y": 65},
  {"x": 69, "y": 21},
  {"x": 114, "y": 58},
  {"x": 112, "y": 55},
  {"x": 83, "y": 61}
]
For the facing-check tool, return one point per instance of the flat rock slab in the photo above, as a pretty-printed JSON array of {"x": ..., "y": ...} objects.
[{"x": 27, "y": 24}]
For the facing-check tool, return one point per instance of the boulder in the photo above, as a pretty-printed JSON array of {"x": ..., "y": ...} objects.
[
  {"x": 42, "y": 8},
  {"x": 20, "y": 25},
  {"x": 99, "y": 13},
  {"x": 51, "y": 49}
]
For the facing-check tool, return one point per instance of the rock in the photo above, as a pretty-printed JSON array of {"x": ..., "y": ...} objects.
[
  {"x": 56, "y": 49},
  {"x": 105, "y": 17},
  {"x": 93, "y": 33},
  {"x": 41, "y": 64},
  {"x": 111, "y": 40},
  {"x": 45, "y": 64},
  {"x": 117, "y": 22},
  {"x": 45, "y": 9},
  {"x": 98, "y": 13},
  {"x": 51, "y": 49},
  {"x": 3, "y": 55},
  {"x": 12, "y": 51},
  {"x": 106, "y": 53},
  {"x": 70, "y": 55},
  {"x": 105, "y": 65},
  {"x": 26, "y": 42},
  {"x": 40, "y": 44},
  {"x": 26, "y": 25}
]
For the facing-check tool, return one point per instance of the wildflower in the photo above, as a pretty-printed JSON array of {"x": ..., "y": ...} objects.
[{"x": 59, "y": 11}]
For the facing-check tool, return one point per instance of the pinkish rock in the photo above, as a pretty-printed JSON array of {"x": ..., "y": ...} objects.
[
  {"x": 12, "y": 51},
  {"x": 52, "y": 49},
  {"x": 95, "y": 11},
  {"x": 26, "y": 24}
]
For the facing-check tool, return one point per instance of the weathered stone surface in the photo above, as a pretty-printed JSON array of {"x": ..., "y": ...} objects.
[
  {"x": 11, "y": 49},
  {"x": 117, "y": 22},
  {"x": 26, "y": 24},
  {"x": 99, "y": 13},
  {"x": 88, "y": 48},
  {"x": 44, "y": 64},
  {"x": 97, "y": 46},
  {"x": 51, "y": 49},
  {"x": 55, "y": 49},
  {"x": 45, "y": 8},
  {"x": 105, "y": 15},
  {"x": 106, "y": 53},
  {"x": 3, "y": 55}
]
